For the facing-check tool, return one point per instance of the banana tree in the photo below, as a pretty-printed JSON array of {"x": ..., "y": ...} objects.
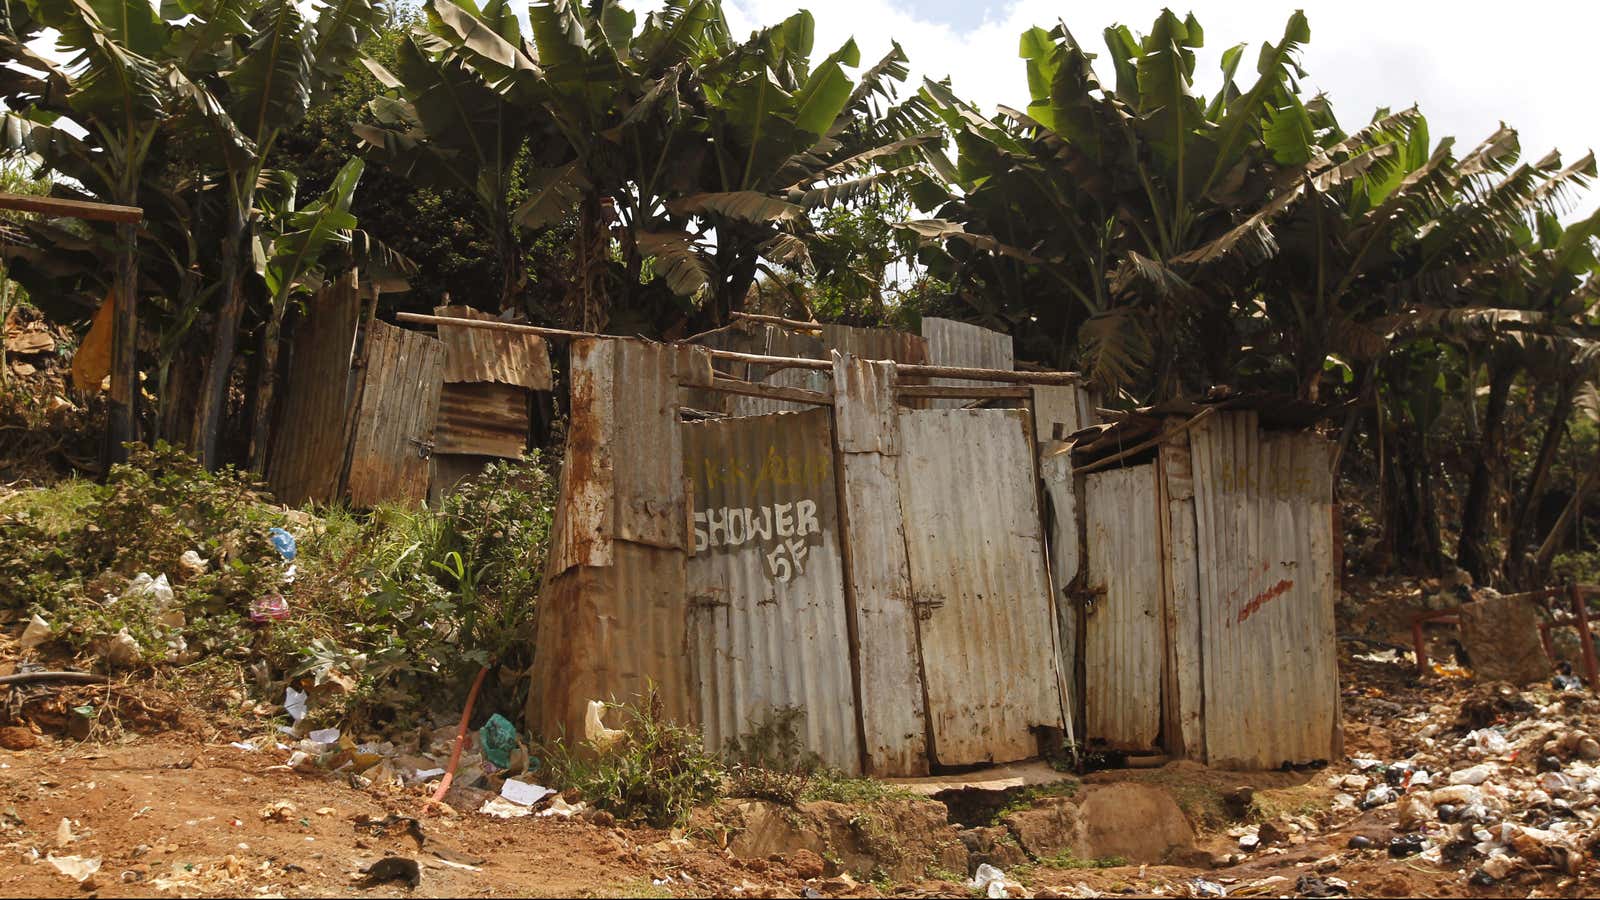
[
  {"x": 293, "y": 240},
  {"x": 1096, "y": 192},
  {"x": 267, "y": 62},
  {"x": 118, "y": 88}
]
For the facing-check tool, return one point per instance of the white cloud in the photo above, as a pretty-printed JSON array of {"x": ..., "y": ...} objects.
[{"x": 1532, "y": 67}]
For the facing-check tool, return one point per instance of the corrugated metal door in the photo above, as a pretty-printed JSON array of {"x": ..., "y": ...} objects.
[
  {"x": 969, "y": 497},
  {"x": 394, "y": 422},
  {"x": 1264, "y": 515},
  {"x": 1123, "y": 634},
  {"x": 767, "y": 618}
]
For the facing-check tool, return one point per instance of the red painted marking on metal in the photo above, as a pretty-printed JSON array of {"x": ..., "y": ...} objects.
[{"x": 1263, "y": 598}]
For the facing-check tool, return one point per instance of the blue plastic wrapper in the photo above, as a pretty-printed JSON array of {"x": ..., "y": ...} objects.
[{"x": 283, "y": 542}]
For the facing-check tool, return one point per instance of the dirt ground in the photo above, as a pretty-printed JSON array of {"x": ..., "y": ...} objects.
[{"x": 178, "y": 811}]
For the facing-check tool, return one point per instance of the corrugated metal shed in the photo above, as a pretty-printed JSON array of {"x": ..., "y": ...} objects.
[
  {"x": 482, "y": 418},
  {"x": 970, "y": 504},
  {"x": 501, "y": 357},
  {"x": 309, "y": 443},
  {"x": 953, "y": 343},
  {"x": 878, "y": 579},
  {"x": 394, "y": 418},
  {"x": 768, "y": 627},
  {"x": 582, "y": 530},
  {"x": 1184, "y": 708},
  {"x": 1123, "y": 638},
  {"x": 1263, "y": 509}
]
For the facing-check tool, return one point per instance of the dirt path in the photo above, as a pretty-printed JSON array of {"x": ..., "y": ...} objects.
[{"x": 168, "y": 816}]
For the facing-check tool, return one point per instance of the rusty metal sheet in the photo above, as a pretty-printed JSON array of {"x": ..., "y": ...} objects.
[
  {"x": 1065, "y": 551},
  {"x": 767, "y": 619},
  {"x": 446, "y": 470},
  {"x": 401, "y": 376},
  {"x": 953, "y": 343},
  {"x": 483, "y": 419},
  {"x": 1264, "y": 520},
  {"x": 611, "y": 634},
  {"x": 647, "y": 445},
  {"x": 976, "y": 558},
  {"x": 582, "y": 530},
  {"x": 1123, "y": 634},
  {"x": 876, "y": 343},
  {"x": 501, "y": 357},
  {"x": 878, "y": 578},
  {"x": 308, "y": 447}
]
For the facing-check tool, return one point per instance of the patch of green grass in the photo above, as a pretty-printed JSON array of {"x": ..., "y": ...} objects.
[
  {"x": 1028, "y": 797},
  {"x": 845, "y": 789},
  {"x": 53, "y": 510},
  {"x": 1067, "y": 860},
  {"x": 642, "y": 889},
  {"x": 936, "y": 873}
]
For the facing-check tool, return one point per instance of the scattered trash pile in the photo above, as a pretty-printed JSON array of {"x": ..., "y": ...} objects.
[{"x": 1504, "y": 785}]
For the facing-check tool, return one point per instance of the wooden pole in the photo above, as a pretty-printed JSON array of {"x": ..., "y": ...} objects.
[
  {"x": 778, "y": 320},
  {"x": 59, "y": 208},
  {"x": 122, "y": 421}
]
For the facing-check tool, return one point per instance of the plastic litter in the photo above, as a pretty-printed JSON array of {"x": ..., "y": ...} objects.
[
  {"x": 501, "y": 808},
  {"x": 324, "y": 736},
  {"x": 524, "y": 793},
  {"x": 1403, "y": 845},
  {"x": 77, "y": 868},
  {"x": 394, "y": 868},
  {"x": 1382, "y": 795},
  {"x": 1321, "y": 887},
  {"x": 498, "y": 738},
  {"x": 1473, "y": 775},
  {"x": 561, "y": 809},
  {"x": 193, "y": 563},
  {"x": 1203, "y": 888},
  {"x": 595, "y": 730},
  {"x": 142, "y": 586},
  {"x": 294, "y": 703},
  {"x": 121, "y": 651},
  {"x": 37, "y": 632},
  {"x": 1487, "y": 741},
  {"x": 988, "y": 880},
  {"x": 283, "y": 542},
  {"x": 269, "y": 608},
  {"x": 64, "y": 835}
]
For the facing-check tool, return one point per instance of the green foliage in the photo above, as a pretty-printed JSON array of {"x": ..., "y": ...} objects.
[
  {"x": 1066, "y": 860},
  {"x": 655, "y": 773},
  {"x": 401, "y": 604}
]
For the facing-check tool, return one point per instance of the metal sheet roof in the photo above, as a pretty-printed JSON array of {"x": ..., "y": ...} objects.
[{"x": 767, "y": 617}]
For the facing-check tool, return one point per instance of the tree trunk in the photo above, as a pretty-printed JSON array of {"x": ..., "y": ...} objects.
[
  {"x": 225, "y": 334},
  {"x": 1411, "y": 534},
  {"x": 1569, "y": 514},
  {"x": 1472, "y": 551},
  {"x": 1555, "y": 430},
  {"x": 266, "y": 389},
  {"x": 123, "y": 420}
]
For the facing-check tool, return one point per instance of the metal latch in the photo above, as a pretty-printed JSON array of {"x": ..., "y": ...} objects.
[
  {"x": 424, "y": 448},
  {"x": 925, "y": 605}
]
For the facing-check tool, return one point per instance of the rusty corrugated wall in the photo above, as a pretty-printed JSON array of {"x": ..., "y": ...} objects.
[
  {"x": 969, "y": 499},
  {"x": 613, "y": 615},
  {"x": 767, "y": 619},
  {"x": 1264, "y": 520},
  {"x": 953, "y": 343},
  {"x": 400, "y": 379},
  {"x": 1124, "y": 641},
  {"x": 308, "y": 445},
  {"x": 482, "y": 419},
  {"x": 500, "y": 357}
]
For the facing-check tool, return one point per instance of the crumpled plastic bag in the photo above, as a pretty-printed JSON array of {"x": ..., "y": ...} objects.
[
  {"x": 498, "y": 738},
  {"x": 595, "y": 730}
]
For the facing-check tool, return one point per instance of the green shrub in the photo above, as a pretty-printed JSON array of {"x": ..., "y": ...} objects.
[{"x": 655, "y": 773}]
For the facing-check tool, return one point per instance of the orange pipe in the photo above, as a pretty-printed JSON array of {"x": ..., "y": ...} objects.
[{"x": 461, "y": 736}]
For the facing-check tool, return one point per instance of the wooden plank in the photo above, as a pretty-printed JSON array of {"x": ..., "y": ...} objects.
[
  {"x": 770, "y": 391},
  {"x": 395, "y": 421},
  {"x": 1183, "y": 706},
  {"x": 877, "y": 574},
  {"x": 951, "y": 392},
  {"x": 60, "y": 208}
]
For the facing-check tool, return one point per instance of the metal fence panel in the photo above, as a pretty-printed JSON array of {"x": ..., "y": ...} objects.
[
  {"x": 309, "y": 443},
  {"x": 394, "y": 425},
  {"x": 767, "y": 618},
  {"x": 1264, "y": 516},
  {"x": 953, "y": 343},
  {"x": 970, "y": 502},
  {"x": 482, "y": 355},
  {"x": 1123, "y": 635}
]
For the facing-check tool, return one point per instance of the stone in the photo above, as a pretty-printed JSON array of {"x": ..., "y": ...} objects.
[
  {"x": 16, "y": 737},
  {"x": 994, "y": 846},
  {"x": 1271, "y": 834},
  {"x": 806, "y": 864},
  {"x": 1501, "y": 637},
  {"x": 1137, "y": 822},
  {"x": 902, "y": 839}
]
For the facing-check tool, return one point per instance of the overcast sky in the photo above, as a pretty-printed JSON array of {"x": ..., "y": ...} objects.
[{"x": 1534, "y": 64}]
